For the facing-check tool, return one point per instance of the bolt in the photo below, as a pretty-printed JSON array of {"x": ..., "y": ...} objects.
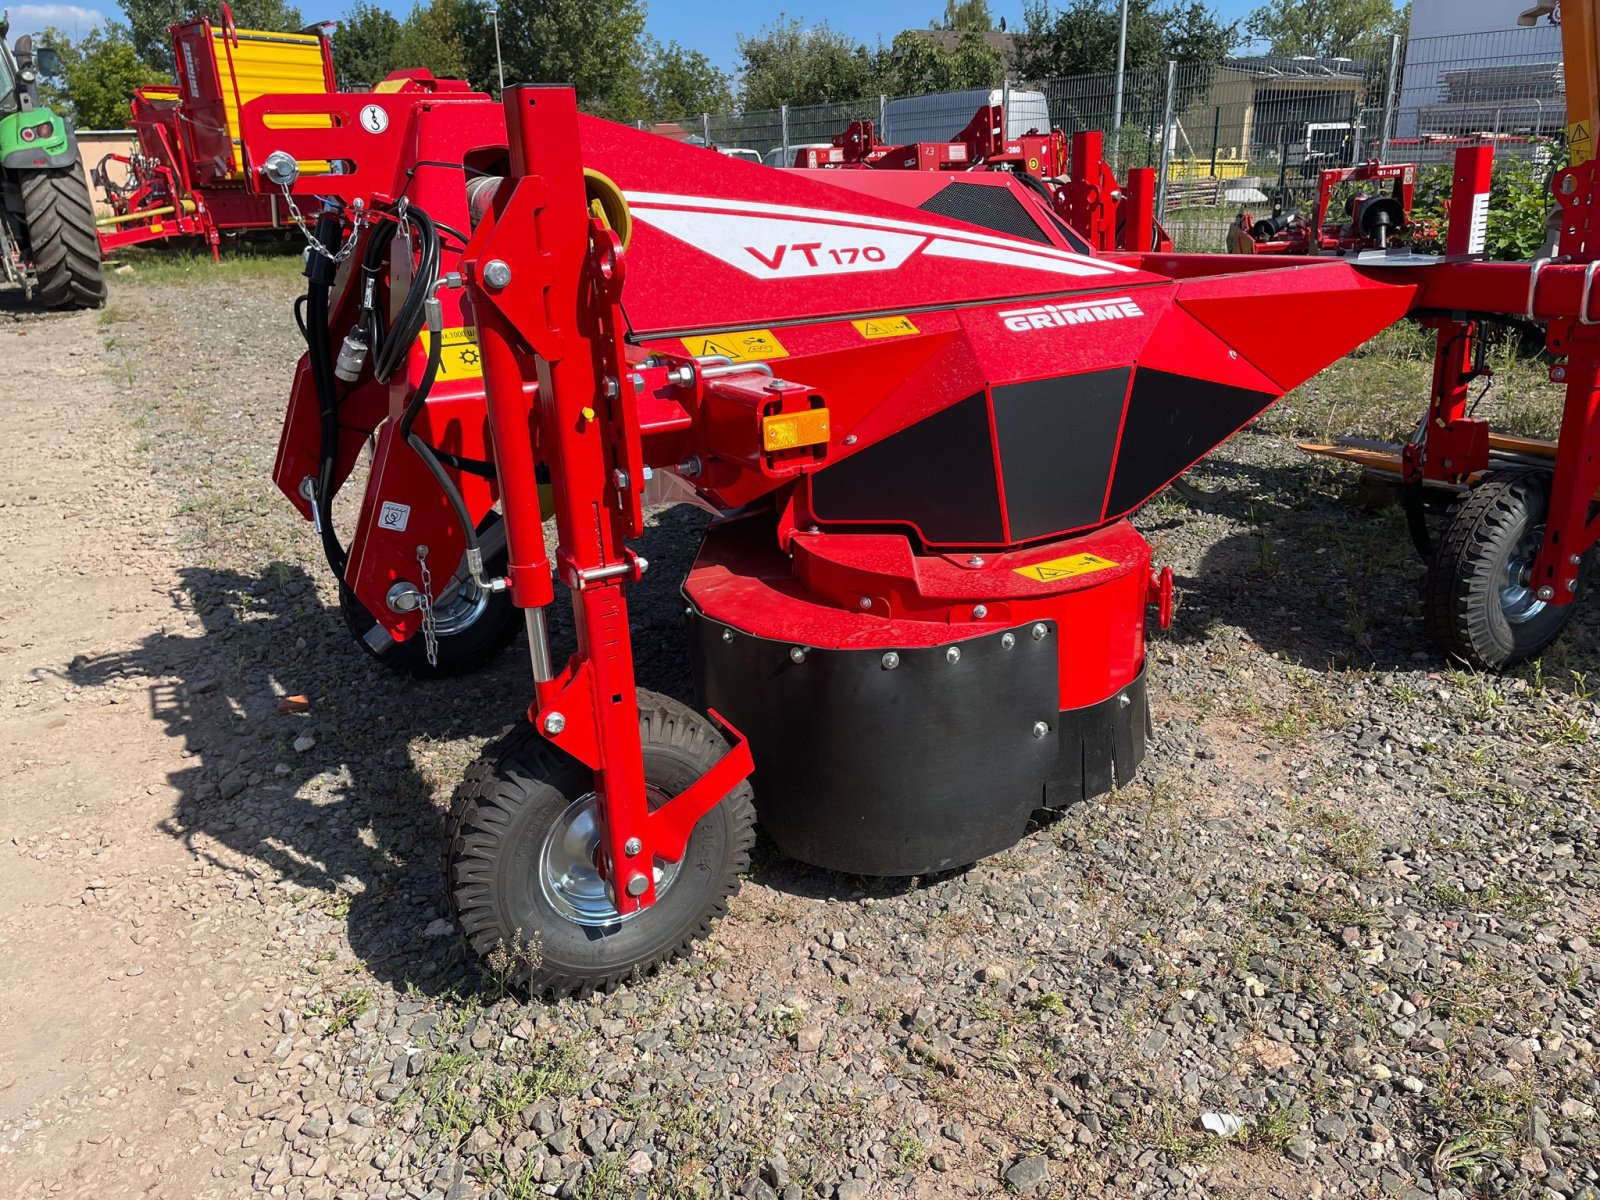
[
  {"x": 797, "y": 654},
  {"x": 632, "y": 846},
  {"x": 1448, "y": 464},
  {"x": 975, "y": 561},
  {"x": 637, "y": 380},
  {"x": 612, "y": 387},
  {"x": 953, "y": 655},
  {"x": 866, "y": 602},
  {"x": 1558, "y": 374},
  {"x": 620, "y": 478},
  {"x": 637, "y": 884},
  {"x": 691, "y": 467},
  {"x": 813, "y": 529},
  {"x": 849, "y": 439},
  {"x": 1040, "y": 729},
  {"x": 1040, "y": 631},
  {"x": 979, "y": 612},
  {"x": 1575, "y": 560},
  {"x": 891, "y": 660},
  {"x": 1546, "y": 593},
  {"x": 727, "y": 635},
  {"x": 403, "y": 597},
  {"x": 1008, "y": 641},
  {"x": 496, "y": 273},
  {"x": 554, "y": 723},
  {"x": 1572, "y": 585},
  {"x": 1123, "y": 700}
]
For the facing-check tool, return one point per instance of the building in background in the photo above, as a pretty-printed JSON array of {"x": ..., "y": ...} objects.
[{"x": 1469, "y": 70}]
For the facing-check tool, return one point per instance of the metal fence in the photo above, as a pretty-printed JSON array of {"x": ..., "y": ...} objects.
[{"x": 1238, "y": 133}]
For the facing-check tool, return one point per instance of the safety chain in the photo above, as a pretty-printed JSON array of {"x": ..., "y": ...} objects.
[
  {"x": 430, "y": 629},
  {"x": 314, "y": 242}
]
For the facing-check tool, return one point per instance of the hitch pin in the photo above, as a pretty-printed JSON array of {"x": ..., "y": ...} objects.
[{"x": 308, "y": 492}]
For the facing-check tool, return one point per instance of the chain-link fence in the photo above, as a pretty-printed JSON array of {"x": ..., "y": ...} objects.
[{"x": 1242, "y": 133}]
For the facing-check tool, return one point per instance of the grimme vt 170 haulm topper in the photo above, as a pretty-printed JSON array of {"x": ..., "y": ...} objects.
[{"x": 925, "y": 417}]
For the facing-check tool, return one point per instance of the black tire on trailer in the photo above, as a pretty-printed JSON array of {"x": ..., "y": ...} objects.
[
  {"x": 519, "y": 865},
  {"x": 473, "y": 628},
  {"x": 1479, "y": 602},
  {"x": 61, "y": 238}
]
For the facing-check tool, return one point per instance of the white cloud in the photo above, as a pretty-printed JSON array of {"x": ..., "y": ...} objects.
[{"x": 72, "y": 19}]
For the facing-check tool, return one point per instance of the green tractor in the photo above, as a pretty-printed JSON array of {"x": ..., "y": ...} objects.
[{"x": 48, "y": 244}]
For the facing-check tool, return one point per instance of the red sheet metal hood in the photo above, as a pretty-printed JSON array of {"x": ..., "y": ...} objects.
[{"x": 723, "y": 244}]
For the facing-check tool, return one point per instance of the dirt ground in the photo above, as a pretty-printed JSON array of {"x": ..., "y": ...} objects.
[{"x": 225, "y": 970}]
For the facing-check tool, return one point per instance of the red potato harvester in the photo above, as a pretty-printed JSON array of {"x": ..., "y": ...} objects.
[{"x": 922, "y": 615}]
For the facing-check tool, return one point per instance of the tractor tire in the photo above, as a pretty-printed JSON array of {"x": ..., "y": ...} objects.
[
  {"x": 1479, "y": 603},
  {"x": 62, "y": 239},
  {"x": 519, "y": 859},
  {"x": 473, "y": 629}
]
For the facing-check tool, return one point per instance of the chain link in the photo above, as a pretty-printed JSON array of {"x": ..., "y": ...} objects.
[
  {"x": 430, "y": 628},
  {"x": 314, "y": 242}
]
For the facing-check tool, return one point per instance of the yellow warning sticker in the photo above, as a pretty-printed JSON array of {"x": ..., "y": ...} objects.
[
  {"x": 1066, "y": 568},
  {"x": 458, "y": 352},
  {"x": 748, "y": 345},
  {"x": 882, "y": 327}
]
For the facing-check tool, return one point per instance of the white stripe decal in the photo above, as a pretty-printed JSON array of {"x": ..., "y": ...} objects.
[{"x": 660, "y": 203}]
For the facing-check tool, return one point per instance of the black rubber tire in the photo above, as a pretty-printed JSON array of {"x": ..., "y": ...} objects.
[
  {"x": 1462, "y": 604},
  {"x": 61, "y": 238},
  {"x": 498, "y": 821},
  {"x": 459, "y": 653}
]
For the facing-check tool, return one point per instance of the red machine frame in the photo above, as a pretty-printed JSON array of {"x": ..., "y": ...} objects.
[{"x": 1292, "y": 235}]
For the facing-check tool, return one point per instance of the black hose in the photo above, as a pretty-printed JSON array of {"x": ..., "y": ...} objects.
[{"x": 320, "y": 273}]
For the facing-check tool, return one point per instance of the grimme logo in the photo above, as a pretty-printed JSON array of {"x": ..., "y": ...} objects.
[{"x": 1049, "y": 316}]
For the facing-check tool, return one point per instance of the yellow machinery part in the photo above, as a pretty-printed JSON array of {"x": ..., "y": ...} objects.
[{"x": 271, "y": 64}]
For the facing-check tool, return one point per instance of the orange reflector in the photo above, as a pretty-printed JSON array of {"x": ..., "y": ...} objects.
[{"x": 786, "y": 431}]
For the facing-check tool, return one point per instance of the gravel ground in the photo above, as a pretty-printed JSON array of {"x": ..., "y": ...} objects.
[{"x": 1346, "y": 914}]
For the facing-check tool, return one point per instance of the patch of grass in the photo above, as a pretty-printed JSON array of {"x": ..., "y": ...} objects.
[
  {"x": 1347, "y": 843},
  {"x": 464, "y": 1089},
  {"x": 348, "y": 1008},
  {"x": 165, "y": 267}
]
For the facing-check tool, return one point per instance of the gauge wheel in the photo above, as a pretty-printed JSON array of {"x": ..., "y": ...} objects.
[
  {"x": 1481, "y": 604},
  {"x": 472, "y": 627},
  {"x": 520, "y": 859}
]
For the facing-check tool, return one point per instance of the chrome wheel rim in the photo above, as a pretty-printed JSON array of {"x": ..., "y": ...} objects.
[
  {"x": 1519, "y": 600},
  {"x": 571, "y": 882},
  {"x": 461, "y": 610}
]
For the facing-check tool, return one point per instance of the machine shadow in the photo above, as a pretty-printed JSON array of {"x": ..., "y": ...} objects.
[
  {"x": 1328, "y": 579},
  {"x": 333, "y": 808}
]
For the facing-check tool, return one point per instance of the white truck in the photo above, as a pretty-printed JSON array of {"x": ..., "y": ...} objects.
[{"x": 940, "y": 116}]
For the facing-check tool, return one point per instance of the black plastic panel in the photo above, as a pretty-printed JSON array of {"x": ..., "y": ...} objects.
[
  {"x": 937, "y": 475},
  {"x": 1100, "y": 746},
  {"x": 987, "y": 206},
  {"x": 859, "y": 768},
  {"x": 1173, "y": 421},
  {"x": 1057, "y": 441}
]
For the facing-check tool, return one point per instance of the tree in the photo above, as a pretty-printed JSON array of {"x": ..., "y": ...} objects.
[
  {"x": 1325, "y": 28},
  {"x": 97, "y": 78},
  {"x": 595, "y": 45},
  {"x": 791, "y": 63},
  {"x": 1081, "y": 38},
  {"x": 917, "y": 65},
  {"x": 364, "y": 45},
  {"x": 148, "y": 21},
  {"x": 964, "y": 15},
  {"x": 682, "y": 83},
  {"x": 435, "y": 37}
]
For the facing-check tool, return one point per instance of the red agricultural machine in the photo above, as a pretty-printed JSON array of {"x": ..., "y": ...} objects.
[
  {"x": 1376, "y": 200},
  {"x": 187, "y": 178},
  {"x": 925, "y": 408}
]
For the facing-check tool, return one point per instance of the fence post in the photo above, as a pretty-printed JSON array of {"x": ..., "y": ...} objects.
[
  {"x": 1216, "y": 136},
  {"x": 1116, "y": 103},
  {"x": 1390, "y": 95},
  {"x": 784, "y": 117},
  {"x": 1005, "y": 107},
  {"x": 883, "y": 117},
  {"x": 705, "y": 128},
  {"x": 1167, "y": 138}
]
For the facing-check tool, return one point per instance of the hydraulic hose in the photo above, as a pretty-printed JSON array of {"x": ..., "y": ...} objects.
[{"x": 320, "y": 273}]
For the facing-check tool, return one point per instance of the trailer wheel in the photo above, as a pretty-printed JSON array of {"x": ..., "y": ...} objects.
[
  {"x": 1480, "y": 604},
  {"x": 61, "y": 237},
  {"x": 519, "y": 859},
  {"x": 473, "y": 628}
]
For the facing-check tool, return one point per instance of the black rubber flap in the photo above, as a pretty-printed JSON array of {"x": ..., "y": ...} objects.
[
  {"x": 1174, "y": 421},
  {"x": 1101, "y": 746},
  {"x": 937, "y": 475},
  {"x": 875, "y": 771}
]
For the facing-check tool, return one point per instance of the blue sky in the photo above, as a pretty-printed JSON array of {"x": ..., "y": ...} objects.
[{"x": 706, "y": 25}]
